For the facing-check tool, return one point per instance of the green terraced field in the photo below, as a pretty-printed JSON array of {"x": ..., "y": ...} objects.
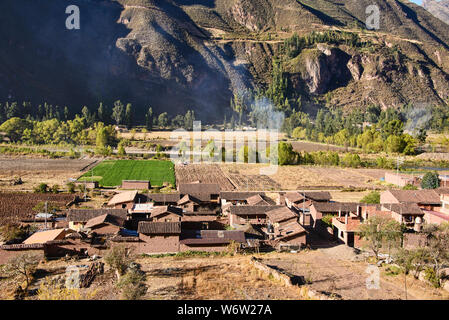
[{"x": 110, "y": 173}]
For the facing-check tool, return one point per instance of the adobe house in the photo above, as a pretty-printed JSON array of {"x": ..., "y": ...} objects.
[
  {"x": 320, "y": 209},
  {"x": 106, "y": 224},
  {"x": 345, "y": 229},
  {"x": 163, "y": 199},
  {"x": 189, "y": 203},
  {"x": 77, "y": 218},
  {"x": 259, "y": 200},
  {"x": 123, "y": 200},
  {"x": 159, "y": 237},
  {"x": 409, "y": 214},
  {"x": 425, "y": 199},
  {"x": 48, "y": 235},
  {"x": 206, "y": 192},
  {"x": 237, "y": 197},
  {"x": 279, "y": 215},
  {"x": 166, "y": 214},
  {"x": 241, "y": 215},
  {"x": 291, "y": 233},
  {"x": 209, "y": 240},
  {"x": 136, "y": 184}
]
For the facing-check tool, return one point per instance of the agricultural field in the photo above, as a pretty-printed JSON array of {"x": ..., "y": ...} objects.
[
  {"x": 17, "y": 206},
  {"x": 205, "y": 173},
  {"x": 34, "y": 171},
  {"x": 110, "y": 173},
  {"x": 299, "y": 177}
]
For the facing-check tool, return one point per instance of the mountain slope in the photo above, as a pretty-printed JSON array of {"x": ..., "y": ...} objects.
[
  {"x": 176, "y": 55},
  {"x": 439, "y": 9}
]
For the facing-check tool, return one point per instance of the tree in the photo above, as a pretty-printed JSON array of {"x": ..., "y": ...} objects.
[
  {"x": 101, "y": 113},
  {"x": 373, "y": 230},
  {"x": 14, "y": 128},
  {"x": 438, "y": 244},
  {"x": 119, "y": 258},
  {"x": 430, "y": 181},
  {"x": 23, "y": 265},
  {"x": 149, "y": 119},
  {"x": 163, "y": 119},
  {"x": 121, "y": 149},
  {"x": 118, "y": 112},
  {"x": 101, "y": 140},
  {"x": 372, "y": 198},
  {"x": 285, "y": 153},
  {"x": 188, "y": 120},
  {"x": 129, "y": 115}
]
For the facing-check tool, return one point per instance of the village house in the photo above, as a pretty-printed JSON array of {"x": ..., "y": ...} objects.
[
  {"x": 124, "y": 200},
  {"x": 425, "y": 199},
  {"x": 290, "y": 234},
  {"x": 320, "y": 209},
  {"x": 163, "y": 199},
  {"x": 283, "y": 226},
  {"x": 409, "y": 214},
  {"x": 159, "y": 237},
  {"x": 300, "y": 202},
  {"x": 242, "y": 215},
  {"x": 45, "y": 236},
  {"x": 106, "y": 224},
  {"x": 281, "y": 214},
  {"x": 206, "y": 192},
  {"x": 237, "y": 197},
  {"x": 166, "y": 214},
  {"x": 136, "y": 184},
  {"x": 77, "y": 218}
]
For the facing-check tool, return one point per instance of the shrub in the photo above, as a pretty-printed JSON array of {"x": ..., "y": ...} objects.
[
  {"x": 410, "y": 187},
  {"x": 41, "y": 188},
  {"x": 71, "y": 187},
  {"x": 118, "y": 258},
  {"x": 431, "y": 276},
  {"x": 327, "y": 219},
  {"x": 55, "y": 188},
  {"x": 132, "y": 284},
  {"x": 372, "y": 198}
]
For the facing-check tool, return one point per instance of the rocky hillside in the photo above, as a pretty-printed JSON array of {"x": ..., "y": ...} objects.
[
  {"x": 175, "y": 55},
  {"x": 439, "y": 9}
]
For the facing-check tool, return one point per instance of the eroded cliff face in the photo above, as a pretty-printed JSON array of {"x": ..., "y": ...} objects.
[{"x": 176, "y": 55}]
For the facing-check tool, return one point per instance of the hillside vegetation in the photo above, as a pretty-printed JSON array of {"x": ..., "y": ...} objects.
[{"x": 177, "y": 55}]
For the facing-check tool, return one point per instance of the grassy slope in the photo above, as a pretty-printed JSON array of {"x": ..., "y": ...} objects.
[{"x": 114, "y": 171}]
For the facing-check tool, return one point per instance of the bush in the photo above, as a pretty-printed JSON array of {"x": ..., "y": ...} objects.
[
  {"x": 327, "y": 219},
  {"x": 11, "y": 232},
  {"x": 119, "y": 258},
  {"x": 431, "y": 276},
  {"x": 71, "y": 187},
  {"x": 132, "y": 284},
  {"x": 55, "y": 188},
  {"x": 372, "y": 198},
  {"x": 410, "y": 187},
  {"x": 41, "y": 188}
]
